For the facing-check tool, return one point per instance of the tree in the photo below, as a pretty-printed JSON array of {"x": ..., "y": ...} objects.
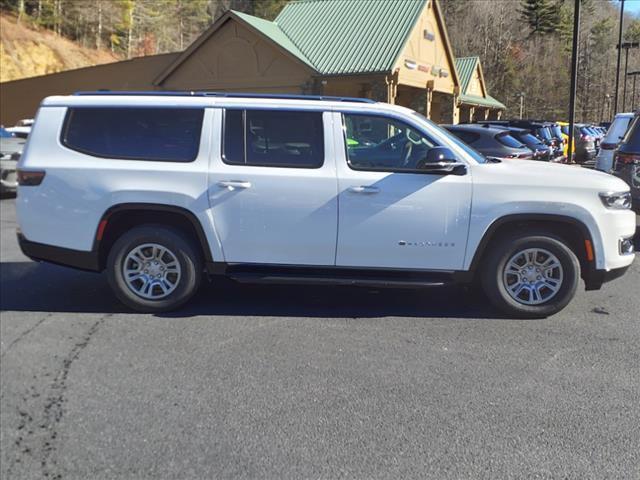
[{"x": 541, "y": 15}]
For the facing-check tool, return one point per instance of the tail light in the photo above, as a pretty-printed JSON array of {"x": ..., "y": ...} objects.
[
  {"x": 608, "y": 146},
  {"x": 586, "y": 138},
  {"x": 30, "y": 178},
  {"x": 627, "y": 158}
]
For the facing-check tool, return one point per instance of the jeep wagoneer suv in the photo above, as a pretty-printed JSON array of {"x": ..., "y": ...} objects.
[{"x": 157, "y": 189}]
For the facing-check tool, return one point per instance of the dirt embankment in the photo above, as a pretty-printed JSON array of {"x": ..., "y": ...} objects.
[{"x": 27, "y": 52}]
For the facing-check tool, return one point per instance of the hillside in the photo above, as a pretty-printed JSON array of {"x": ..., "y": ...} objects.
[{"x": 26, "y": 52}]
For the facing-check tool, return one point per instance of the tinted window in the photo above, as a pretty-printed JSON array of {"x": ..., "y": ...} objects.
[
  {"x": 273, "y": 138},
  {"x": 508, "y": 141},
  {"x": 164, "y": 134},
  {"x": 466, "y": 137},
  {"x": 382, "y": 143},
  {"x": 543, "y": 132},
  {"x": 527, "y": 138},
  {"x": 556, "y": 130}
]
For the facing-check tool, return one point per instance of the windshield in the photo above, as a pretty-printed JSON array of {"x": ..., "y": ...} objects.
[
  {"x": 544, "y": 133},
  {"x": 473, "y": 153},
  {"x": 617, "y": 129},
  {"x": 556, "y": 130}
]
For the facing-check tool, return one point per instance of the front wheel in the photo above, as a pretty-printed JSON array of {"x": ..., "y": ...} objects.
[
  {"x": 531, "y": 276},
  {"x": 154, "y": 268}
]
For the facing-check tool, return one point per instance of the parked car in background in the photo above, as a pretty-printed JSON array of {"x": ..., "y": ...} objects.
[
  {"x": 619, "y": 126},
  {"x": 537, "y": 128},
  {"x": 22, "y": 128},
  {"x": 491, "y": 141},
  {"x": 585, "y": 141},
  {"x": 626, "y": 160},
  {"x": 540, "y": 150},
  {"x": 10, "y": 150}
]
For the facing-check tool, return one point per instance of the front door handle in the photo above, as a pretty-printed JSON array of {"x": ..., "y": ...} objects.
[
  {"x": 364, "y": 189},
  {"x": 233, "y": 184}
]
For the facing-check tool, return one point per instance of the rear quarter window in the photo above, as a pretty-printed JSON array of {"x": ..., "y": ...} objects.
[
  {"x": 508, "y": 141},
  {"x": 154, "y": 134}
]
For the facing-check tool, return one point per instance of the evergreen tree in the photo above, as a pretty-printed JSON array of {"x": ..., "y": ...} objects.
[{"x": 542, "y": 16}]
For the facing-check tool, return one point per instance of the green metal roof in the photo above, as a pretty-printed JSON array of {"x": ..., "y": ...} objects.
[
  {"x": 350, "y": 36},
  {"x": 487, "y": 101},
  {"x": 271, "y": 30},
  {"x": 466, "y": 67}
]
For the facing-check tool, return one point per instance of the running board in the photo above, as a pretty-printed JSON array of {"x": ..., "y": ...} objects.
[{"x": 342, "y": 280}]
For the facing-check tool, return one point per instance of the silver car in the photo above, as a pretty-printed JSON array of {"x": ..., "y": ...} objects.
[{"x": 10, "y": 150}]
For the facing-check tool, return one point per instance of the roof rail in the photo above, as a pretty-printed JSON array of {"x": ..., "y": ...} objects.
[{"x": 275, "y": 96}]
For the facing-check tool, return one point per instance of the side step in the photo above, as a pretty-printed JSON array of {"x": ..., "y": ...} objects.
[{"x": 342, "y": 278}]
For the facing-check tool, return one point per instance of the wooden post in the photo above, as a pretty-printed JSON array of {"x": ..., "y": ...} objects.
[{"x": 428, "y": 99}]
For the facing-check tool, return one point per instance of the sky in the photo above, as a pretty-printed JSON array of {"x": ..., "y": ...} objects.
[{"x": 632, "y": 6}]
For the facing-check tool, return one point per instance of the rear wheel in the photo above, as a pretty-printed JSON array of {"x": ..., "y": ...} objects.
[
  {"x": 531, "y": 275},
  {"x": 154, "y": 268}
]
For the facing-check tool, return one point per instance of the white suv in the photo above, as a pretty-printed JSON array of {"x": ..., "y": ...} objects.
[{"x": 158, "y": 188}]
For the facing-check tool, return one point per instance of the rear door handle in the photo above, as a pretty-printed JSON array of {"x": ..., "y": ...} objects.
[
  {"x": 233, "y": 184},
  {"x": 364, "y": 189}
]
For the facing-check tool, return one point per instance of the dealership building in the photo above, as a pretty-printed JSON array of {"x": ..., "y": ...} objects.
[{"x": 392, "y": 51}]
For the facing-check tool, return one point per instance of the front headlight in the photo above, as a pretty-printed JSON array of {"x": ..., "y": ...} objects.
[{"x": 616, "y": 200}]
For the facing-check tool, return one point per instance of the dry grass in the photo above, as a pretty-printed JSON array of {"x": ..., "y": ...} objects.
[{"x": 28, "y": 52}]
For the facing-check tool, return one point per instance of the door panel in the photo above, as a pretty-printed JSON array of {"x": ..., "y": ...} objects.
[
  {"x": 399, "y": 219},
  {"x": 276, "y": 215}
]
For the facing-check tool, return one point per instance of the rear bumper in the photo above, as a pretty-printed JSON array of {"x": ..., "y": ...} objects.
[{"x": 67, "y": 257}]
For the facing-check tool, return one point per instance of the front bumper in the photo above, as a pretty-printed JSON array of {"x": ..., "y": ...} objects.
[{"x": 599, "y": 277}]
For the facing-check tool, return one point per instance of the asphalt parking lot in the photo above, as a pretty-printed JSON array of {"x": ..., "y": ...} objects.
[{"x": 300, "y": 382}]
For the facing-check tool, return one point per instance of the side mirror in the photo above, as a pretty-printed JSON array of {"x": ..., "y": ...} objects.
[{"x": 441, "y": 160}]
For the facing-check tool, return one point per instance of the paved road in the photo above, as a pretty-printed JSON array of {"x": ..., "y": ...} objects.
[{"x": 272, "y": 382}]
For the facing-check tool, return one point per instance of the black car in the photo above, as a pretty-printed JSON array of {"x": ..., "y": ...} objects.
[
  {"x": 490, "y": 141},
  {"x": 626, "y": 160}
]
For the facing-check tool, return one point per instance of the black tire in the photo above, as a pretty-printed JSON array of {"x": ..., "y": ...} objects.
[
  {"x": 496, "y": 261},
  {"x": 184, "y": 250}
]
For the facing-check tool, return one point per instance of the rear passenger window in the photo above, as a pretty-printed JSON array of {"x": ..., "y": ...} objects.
[
  {"x": 162, "y": 134},
  {"x": 273, "y": 138}
]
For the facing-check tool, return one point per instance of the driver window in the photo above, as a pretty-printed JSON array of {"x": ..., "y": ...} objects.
[{"x": 383, "y": 144}]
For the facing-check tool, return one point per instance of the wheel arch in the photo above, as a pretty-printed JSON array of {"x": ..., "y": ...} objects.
[
  {"x": 573, "y": 231},
  {"x": 121, "y": 217}
]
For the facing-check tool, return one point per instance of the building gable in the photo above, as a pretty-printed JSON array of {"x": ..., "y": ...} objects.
[
  {"x": 235, "y": 56},
  {"x": 427, "y": 54}
]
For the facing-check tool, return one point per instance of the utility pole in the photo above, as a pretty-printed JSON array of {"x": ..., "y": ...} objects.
[
  {"x": 615, "y": 102},
  {"x": 633, "y": 95},
  {"x": 521, "y": 104},
  {"x": 627, "y": 46},
  {"x": 574, "y": 78}
]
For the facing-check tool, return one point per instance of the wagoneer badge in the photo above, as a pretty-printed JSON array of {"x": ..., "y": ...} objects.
[{"x": 402, "y": 243}]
